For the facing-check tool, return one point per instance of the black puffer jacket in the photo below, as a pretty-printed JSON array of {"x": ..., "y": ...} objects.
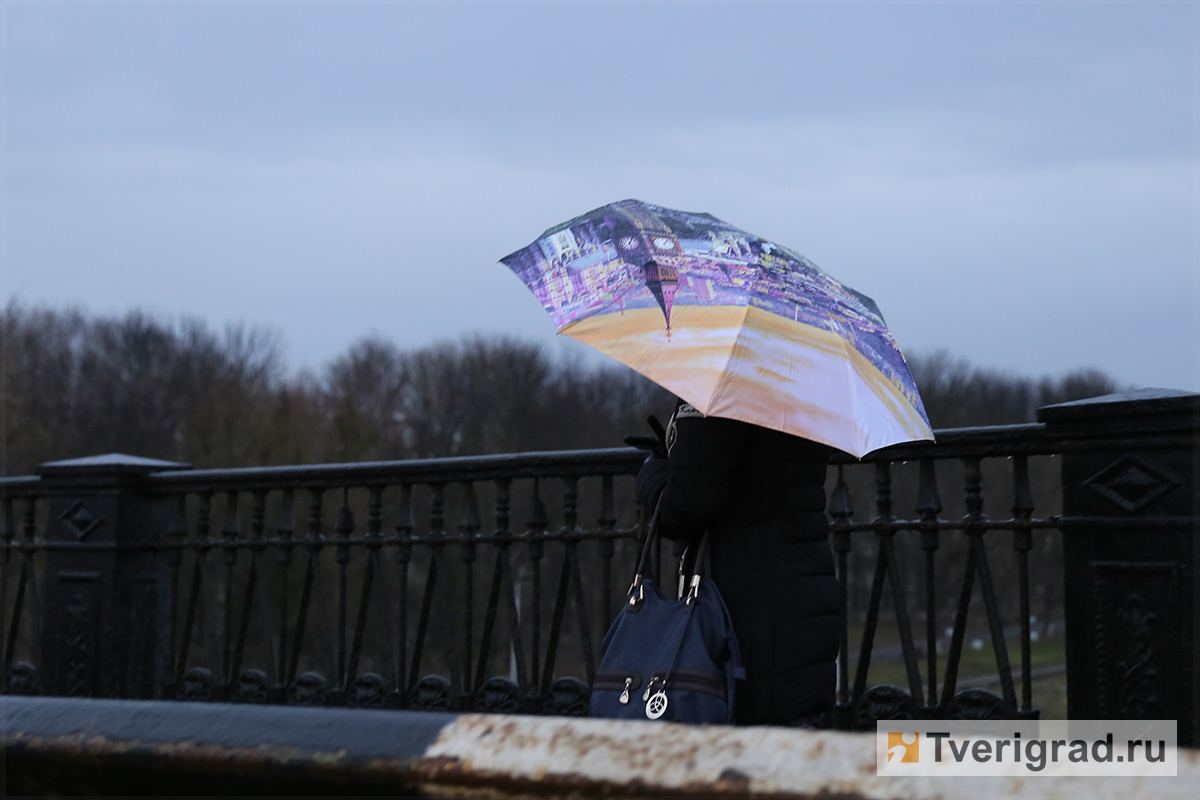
[{"x": 760, "y": 493}]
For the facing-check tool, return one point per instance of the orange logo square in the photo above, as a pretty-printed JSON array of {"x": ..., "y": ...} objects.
[{"x": 904, "y": 747}]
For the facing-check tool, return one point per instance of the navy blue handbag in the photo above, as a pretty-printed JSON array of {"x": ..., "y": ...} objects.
[{"x": 672, "y": 660}]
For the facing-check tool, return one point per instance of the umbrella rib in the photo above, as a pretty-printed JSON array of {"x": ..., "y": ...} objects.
[
  {"x": 741, "y": 327},
  {"x": 757, "y": 274},
  {"x": 791, "y": 384},
  {"x": 728, "y": 358},
  {"x": 642, "y": 357},
  {"x": 853, "y": 391}
]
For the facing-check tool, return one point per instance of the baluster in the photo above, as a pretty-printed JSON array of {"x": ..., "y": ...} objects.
[
  {"x": 244, "y": 619},
  {"x": 607, "y": 521},
  {"x": 883, "y": 502},
  {"x": 1022, "y": 509},
  {"x": 571, "y": 529},
  {"x": 256, "y": 596},
  {"x": 29, "y": 533},
  {"x": 502, "y": 506},
  {"x": 343, "y": 529},
  {"x": 383, "y": 600},
  {"x": 209, "y": 617},
  {"x": 437, "y": 509},
  {"x": 977, "y": 562},
  {"x": 437, "y": 524},
  {"x": 10, "y": 646},
  {"x": 285, "y": 531},
  {"x": 229, "y": 533},
  {"x": 468, "y": 525},
  {"x": 537, "y": 525},
  {"x": 560, "y": 605},
  {"x": 975, "y": 515},
  {"x": 194, "y": 606},
  {"x": 10, "y": 533},
  {"x": 973, "y": 490},
  {"x": 973, "y": 495},
  {"x": 404, "y": 528},
  {"x": 313, "y": 543},
  {"x": 437, "y": 532},
  {"x": 883, "y": 493},
  {"x": 841, "y": 508},
  {"x": 493, "y": 603},
  {"x": 18, "y": 604},
  {"x": 517, "y": 649},
  {"x": 887, "y": 542},
  {"x": 177, "y": 537},
  {"x": 929, "y": 505},
  {"x": 372, "y": 591},
  {"x": 974, "y": 500},
  {"x": 375, "y": 513},
  {"x": 570, "y": 503}
]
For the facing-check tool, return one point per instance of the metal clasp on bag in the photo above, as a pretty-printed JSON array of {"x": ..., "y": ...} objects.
[
  {"x": 694, "y": 590},
  {"x": 635, "y": 601}
]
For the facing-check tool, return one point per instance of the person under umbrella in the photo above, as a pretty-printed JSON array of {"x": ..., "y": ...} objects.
[
  {"x": 760, "y": 495},
  {"x": 775, "y": 362}
]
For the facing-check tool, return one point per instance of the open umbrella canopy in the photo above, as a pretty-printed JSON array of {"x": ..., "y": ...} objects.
[{"x": 737, "y": 326}]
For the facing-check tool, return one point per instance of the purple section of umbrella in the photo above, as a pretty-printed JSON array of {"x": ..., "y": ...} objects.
[{"x": 630, "y": 255}]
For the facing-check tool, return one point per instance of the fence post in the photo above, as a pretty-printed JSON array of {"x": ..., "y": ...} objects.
[
  {"x": 105, "y": 591},
  {"x": 1129, "y": 539}
]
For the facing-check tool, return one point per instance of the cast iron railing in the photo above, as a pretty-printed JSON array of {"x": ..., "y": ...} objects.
[
  {"x": 126, "y": 577},
  {"x": 859, "y": 706},
  {"x": 398, "y": 681}
]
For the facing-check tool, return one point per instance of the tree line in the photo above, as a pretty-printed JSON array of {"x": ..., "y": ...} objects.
[{"x": 77, "y": 384}]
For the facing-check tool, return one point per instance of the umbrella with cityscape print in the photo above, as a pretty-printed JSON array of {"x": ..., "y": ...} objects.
[{"x": 735, "y": 325}]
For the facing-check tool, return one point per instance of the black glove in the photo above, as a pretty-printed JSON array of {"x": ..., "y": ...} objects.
[
  {"x": 652, "y": 477},
  {"x": 651, "y": 480},
  {"x": 656, "y": 444}
]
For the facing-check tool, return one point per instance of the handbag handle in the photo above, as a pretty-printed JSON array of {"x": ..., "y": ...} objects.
[
  {"x": 701, "y": 566},
  {"x": 653, "y": 534},
  {"x": 636, "y": 593}
]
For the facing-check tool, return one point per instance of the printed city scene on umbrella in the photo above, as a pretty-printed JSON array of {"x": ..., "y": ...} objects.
[{"x": 634, "y": 255}]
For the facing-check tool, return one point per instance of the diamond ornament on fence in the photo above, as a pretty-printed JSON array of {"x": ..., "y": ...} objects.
[
  {"x": 81, "y": 520},
  {"x": 1132, "y": 483}
]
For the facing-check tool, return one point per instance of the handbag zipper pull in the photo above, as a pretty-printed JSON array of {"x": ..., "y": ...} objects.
[
  {"x": 624, "y": 698},
  {"x": 656, "y": 706},
  {"x": 649, "y": 686}
]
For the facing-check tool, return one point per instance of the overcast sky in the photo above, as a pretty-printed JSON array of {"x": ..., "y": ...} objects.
[{"x": 1013, "y": 183}]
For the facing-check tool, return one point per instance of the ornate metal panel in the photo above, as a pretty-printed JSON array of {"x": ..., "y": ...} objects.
[{"x": 1137, "y": 639}]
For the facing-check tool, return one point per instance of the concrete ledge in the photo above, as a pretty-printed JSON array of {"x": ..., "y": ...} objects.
[{"x": 56, "y": 745}]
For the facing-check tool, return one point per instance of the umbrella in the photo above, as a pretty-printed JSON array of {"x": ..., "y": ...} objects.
[{"x": 737, "y": 326}]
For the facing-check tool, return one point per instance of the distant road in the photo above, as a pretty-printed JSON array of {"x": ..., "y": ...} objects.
[{"x": 992, "y": 680}]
